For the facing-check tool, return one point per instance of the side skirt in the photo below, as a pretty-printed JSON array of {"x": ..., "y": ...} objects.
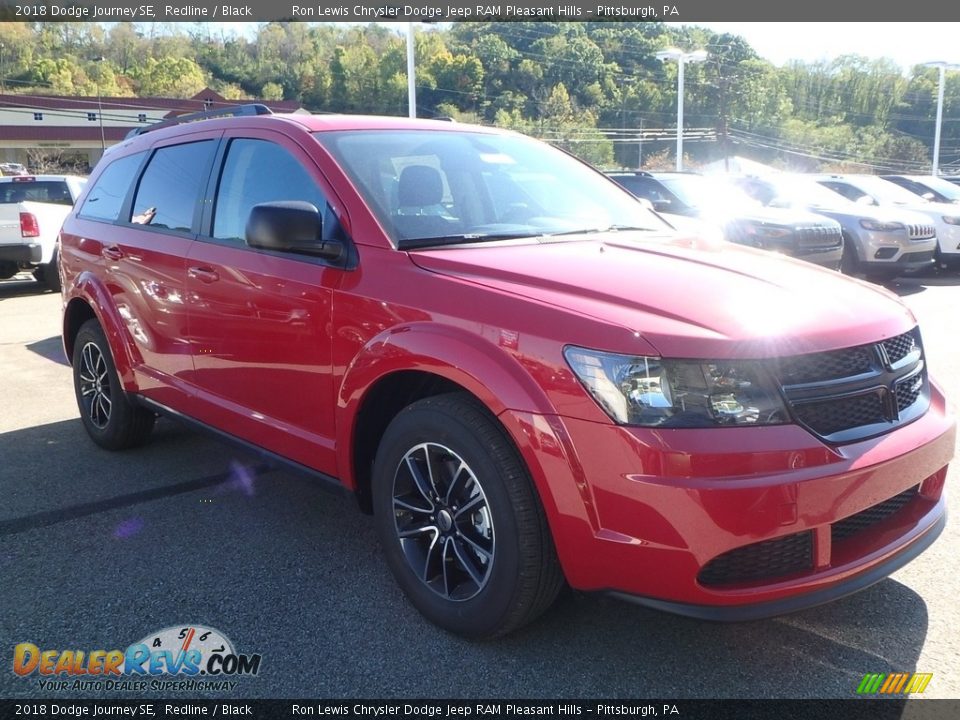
[{"x": 327, "y": 482}]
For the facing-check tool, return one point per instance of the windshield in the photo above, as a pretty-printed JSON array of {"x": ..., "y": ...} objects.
[
  {"x": 885, "y": 191},
  {"x": 803, "y": 191},
  {"x": 431, "y": 188},
  {"x": 702, "y": 192},
  {"x": 940, "y": 186}
]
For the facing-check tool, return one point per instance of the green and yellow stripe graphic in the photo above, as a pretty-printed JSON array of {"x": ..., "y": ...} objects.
[{"x": 894, "y": 683}]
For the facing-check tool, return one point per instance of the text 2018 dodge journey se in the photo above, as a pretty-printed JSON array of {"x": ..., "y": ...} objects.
[{"x": 521, "y": 372}]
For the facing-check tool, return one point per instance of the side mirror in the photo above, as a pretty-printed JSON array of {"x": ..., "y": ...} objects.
[
  {"x": 662, "y": 205},
  {"x": 929, "y": 196},
  {"x": 865, "y": 200},
  {"x": 646, "y": 203},
  {"x": 290, "y": 226}
]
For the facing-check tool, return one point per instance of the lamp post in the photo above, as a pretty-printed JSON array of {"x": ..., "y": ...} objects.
[
  {"x": 103, "y": 142},
  {"x": 411, "y": 73},
  {"x": 681, "y": 58},
  {"x": 3, "y": 75},
  {"x": 943, "y": 67}
]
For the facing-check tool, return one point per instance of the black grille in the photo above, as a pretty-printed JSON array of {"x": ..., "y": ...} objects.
[
  {"x": 908, "y": 392},
  {"x": 761, "y": 561},
  {"x": 819, "y": 236},
  {"x": 831, "y": 416},
  {"x": 825, "y": 365},
  {"x": 871, "y": 516},
  {"x": 899, "y": 347},
  {"x": 920, "y": 232}
]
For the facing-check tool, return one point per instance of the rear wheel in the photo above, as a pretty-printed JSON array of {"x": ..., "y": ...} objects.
[
  {"x": 110, "y": 418},
  {"x": 460, "y": 521},
  {"x": 49, "y": 273}
]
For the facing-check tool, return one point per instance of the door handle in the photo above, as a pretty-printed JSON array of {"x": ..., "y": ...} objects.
[
  {"x": 112, "y": 253},
  {"x": 203, "y": 274}
]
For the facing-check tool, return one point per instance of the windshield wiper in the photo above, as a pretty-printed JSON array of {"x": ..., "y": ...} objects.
[{"x": 440, "y": 240}]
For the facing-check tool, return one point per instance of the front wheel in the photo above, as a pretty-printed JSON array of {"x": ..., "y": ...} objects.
[
  {"x": 460, "y": 521},
  {"x": 110, "y": 418}
]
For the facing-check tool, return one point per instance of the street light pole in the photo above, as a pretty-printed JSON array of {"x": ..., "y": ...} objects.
[
  {"x": 103, "y": 142},
  {"x": 943, "y": 67},
  {"x": 681, "y": 59},
  {"x": 411, "y": 73}
]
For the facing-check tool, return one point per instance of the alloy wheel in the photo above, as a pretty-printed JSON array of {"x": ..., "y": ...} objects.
[{"x": 443, "y": 521}]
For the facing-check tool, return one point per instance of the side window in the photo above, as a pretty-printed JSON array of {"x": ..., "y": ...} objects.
[
  {"x": 107, "y": 195},
  {"x": 259, "y": 171},
  {"x": 172, "y": 186}
]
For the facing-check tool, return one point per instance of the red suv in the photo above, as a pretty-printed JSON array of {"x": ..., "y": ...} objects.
[{"x": 520, "y": 371}]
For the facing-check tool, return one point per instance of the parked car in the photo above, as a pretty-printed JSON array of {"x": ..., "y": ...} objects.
[
  {"x": 11, "y": 168},
  {"x": 522, "y": 373},
  {"x": 878, "y": 242},
  {"x": 32, "y": 209},
  {"x": 929, "y": 187},
  {"x": 872, "y": 190},
  {"x": 737, "y": 217}
]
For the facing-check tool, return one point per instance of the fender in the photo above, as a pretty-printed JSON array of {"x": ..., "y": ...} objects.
[
  {"x": 473, "y": 362},
  {"x": 90, "y": 289}
]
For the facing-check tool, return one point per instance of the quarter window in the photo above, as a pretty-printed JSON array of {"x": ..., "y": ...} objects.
[
  {"x": 258, "y": 171},
  {"x": 172, "y": 185},
  {"x": 108, "y": 193}
]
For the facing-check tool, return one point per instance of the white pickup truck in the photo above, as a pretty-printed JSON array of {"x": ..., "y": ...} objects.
[{"x": 32, "y": 209}]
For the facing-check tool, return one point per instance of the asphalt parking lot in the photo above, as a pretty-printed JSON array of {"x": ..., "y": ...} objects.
[{"x": 97, "y": 550}]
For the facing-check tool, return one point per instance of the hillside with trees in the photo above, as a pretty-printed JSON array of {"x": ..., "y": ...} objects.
[{"x": 594, "y": 88}]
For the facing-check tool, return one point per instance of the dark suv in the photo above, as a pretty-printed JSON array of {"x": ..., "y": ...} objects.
[
  {"x": 737, "y": 216},
  {"x": 521, "y": 372}
]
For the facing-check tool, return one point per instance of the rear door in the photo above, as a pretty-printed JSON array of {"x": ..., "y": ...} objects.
[
  {"x": 260, "y": 320},
  {"x": 143, "y": 256}
]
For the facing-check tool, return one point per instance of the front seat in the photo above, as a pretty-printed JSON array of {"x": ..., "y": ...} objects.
[{"x": 420, "y": 211}]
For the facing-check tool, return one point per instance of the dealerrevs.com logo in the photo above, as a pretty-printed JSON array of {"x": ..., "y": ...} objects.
[{"x": 181, "y": 657}]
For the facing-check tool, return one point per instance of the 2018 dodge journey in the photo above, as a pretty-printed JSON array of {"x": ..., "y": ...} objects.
[{"x": 522, "y": 373}]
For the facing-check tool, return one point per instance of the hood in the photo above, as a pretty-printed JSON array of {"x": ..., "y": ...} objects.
[
  {"x": 880, "y": 213},
  {"x": 781, "y": 217},
  {"x": 685, "y": 297},
  {"x": 928, "y": 209}
]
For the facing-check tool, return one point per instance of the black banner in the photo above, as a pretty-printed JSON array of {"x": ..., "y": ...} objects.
[
  {"x": 460, "y": 10},
  {"x": 856, "y": 709}
]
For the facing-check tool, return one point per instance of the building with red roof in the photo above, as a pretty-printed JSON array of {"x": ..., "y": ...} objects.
[{"x": 74, "y": 130}]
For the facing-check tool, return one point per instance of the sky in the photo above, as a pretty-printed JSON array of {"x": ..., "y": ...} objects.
[{"x": 907, "y": 44}]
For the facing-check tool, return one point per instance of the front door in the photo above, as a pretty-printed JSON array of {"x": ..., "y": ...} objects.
[{"x": 260, "y": 321}]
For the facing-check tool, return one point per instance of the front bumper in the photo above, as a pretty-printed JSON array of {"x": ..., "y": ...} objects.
[{"x": 643, "y": 513}]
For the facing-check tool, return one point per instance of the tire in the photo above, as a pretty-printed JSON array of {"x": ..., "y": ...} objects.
[
  {"x": 468, "y": 542},
  {"x": 849, "y": 262},
  {"x": 110, "y": 418},
  {"x": 49, "y": 273}
]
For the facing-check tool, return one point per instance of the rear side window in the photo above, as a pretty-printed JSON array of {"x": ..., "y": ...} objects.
[
  {"x": 259, "y": 171},
  {"x": 106, "y": 197},
  {"x": 172, "y": 185}
]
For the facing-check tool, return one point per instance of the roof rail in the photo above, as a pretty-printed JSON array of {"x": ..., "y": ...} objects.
[{"x": 231, "y": 111}]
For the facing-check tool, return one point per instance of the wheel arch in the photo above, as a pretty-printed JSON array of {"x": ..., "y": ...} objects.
[
  {"x": 90, "y": 300},
  {"x": 398, "y": 368}
]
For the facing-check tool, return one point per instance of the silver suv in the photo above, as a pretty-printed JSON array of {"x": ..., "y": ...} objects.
[
  {"x": 878, "y": 242},
  {"x": 872, "y": 190}
]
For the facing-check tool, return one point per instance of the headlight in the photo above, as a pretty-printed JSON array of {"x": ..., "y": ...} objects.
[
  {"x": 951, "y": 220},
  {"x": 653, "y": 392},
  {"x": 877, "y": 226},
  {"x": 765, "y": 231}
]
